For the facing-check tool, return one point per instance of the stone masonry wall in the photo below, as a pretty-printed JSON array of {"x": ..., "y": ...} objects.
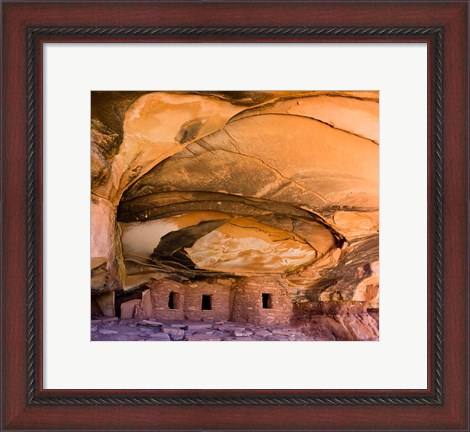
[
  {"x": 242, "y": 302},
  {"x": 160, "y": 293},
  {"x": 190, "y": 300},
  {"x": 220, "y": 296},
  {"x": 248, "y": 303}
]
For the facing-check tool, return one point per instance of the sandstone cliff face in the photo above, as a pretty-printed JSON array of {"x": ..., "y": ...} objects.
[{"x": 277, "y": 191}]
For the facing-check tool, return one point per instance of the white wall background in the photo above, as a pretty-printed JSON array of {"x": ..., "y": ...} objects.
[{"x": 397, "y": 361}]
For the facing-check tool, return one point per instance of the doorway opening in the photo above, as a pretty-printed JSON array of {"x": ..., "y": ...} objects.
[
  {"x": 174, "y": 300},
  {"x": 267, "y": 301},
  {"x": 206, "y": 302}
]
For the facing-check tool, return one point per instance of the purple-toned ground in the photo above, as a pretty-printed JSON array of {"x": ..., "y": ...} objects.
[{"x": 115, "y": 329}]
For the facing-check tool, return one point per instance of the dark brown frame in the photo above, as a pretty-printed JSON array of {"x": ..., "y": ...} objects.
[{"x": 442, "y": 25}]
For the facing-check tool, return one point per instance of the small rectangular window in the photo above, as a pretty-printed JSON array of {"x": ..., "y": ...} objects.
[
  {"x": 174, "y": 300},
  {"x": 267, "y": 301},
  {"x": 206, "y": 302}
]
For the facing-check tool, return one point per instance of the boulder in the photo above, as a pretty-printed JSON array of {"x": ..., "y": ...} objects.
[{"x": 128, "y": 308}]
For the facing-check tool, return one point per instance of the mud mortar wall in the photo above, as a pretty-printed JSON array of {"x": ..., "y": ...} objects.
[
  {"x": 248, "y": 302},
  {"x": 190, "y": 301},
  {"x": 242, "y": 302},
  {"x": 160, "y": 294}
]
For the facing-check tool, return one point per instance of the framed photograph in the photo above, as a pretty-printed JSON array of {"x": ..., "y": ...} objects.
[{"x": 244, "y": 216}]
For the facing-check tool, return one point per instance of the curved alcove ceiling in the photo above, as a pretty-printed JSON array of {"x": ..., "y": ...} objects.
[
  {"x": 229, "y": 242},
  {"x": 301, "y": 172}
]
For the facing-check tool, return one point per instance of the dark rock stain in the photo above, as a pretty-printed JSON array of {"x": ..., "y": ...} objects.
[{"x": 189, "y": 131}]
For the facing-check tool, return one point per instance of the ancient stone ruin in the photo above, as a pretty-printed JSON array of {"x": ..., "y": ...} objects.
[{"x": 253, "y": 211}]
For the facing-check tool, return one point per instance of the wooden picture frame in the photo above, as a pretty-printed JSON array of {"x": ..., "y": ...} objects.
[{"x": 442, "y": 25}]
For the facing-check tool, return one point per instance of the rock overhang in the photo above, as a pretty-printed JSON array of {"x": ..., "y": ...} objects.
[{"x": 301, "y": 167}]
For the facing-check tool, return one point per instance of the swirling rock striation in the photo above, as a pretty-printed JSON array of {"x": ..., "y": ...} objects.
[{"x": 255, "y": 188}]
